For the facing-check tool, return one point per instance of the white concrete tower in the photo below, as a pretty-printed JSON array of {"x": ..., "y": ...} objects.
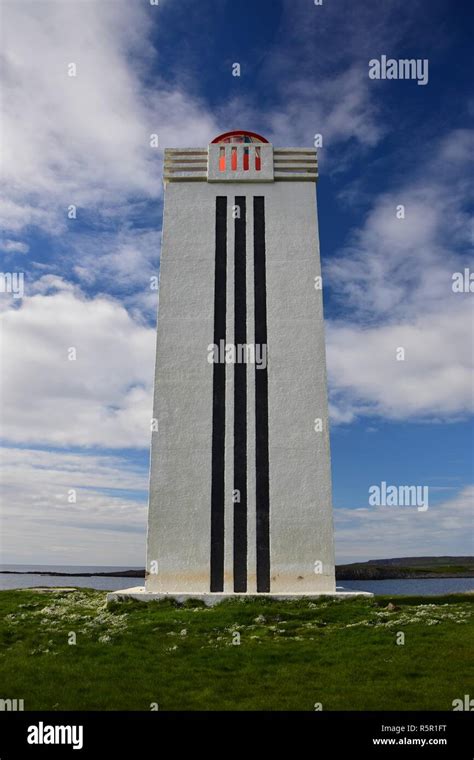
[{"x": 240, "y": 485}]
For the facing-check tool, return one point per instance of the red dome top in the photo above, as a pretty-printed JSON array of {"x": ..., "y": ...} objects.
[{"x": 239, "y": 137}]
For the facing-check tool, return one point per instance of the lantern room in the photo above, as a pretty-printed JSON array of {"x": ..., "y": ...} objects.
[{"x": 240, "y": 156}]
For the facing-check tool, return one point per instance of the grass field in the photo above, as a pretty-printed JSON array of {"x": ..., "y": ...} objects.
[{"x": 291, "y": 656}]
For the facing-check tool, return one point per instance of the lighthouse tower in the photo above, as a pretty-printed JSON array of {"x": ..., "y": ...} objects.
[{"x": 240, "y": 483}]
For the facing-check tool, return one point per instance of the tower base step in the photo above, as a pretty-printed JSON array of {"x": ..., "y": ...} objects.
[{"x": 210, "y": 599}]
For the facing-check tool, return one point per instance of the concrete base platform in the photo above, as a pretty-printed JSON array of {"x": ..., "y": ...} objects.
[{"x": 142, "y": 595}]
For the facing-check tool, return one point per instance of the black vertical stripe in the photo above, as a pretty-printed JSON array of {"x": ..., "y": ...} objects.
[
  {"x": 240, "y": 401},
  {"x": 261, "y": 402},
  {"x": 218, "y": 402}
]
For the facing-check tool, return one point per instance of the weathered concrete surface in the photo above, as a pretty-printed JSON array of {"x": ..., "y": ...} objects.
[
  {"x": 142, "y": 595},
  {"x": 301, "y": 528}
]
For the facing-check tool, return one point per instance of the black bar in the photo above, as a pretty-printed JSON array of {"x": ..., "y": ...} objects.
[
  {"x": 123, "y": 734},
  {"x": 261, "y": 402},
  {"x": 240, "y": 400},
  {"x": 218, "y": 402}
]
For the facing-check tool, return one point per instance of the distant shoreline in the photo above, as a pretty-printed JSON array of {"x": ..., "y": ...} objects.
[
  {"x": 108, "y": 574},
  {"x": 375, "y": 569},
  {"x": 401, "y": 568}
]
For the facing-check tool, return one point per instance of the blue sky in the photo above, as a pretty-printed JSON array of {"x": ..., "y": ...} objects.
[{"x": 85, "y": 140}]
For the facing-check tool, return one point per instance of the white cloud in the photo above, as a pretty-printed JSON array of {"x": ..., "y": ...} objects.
[
  {"x": 394, "y": 283},
  {"x": 19, "y": 212},
  {"x": 84, "y": 140},
  {"x": 435, "y": 380},
  {"x": 49, "y": 283},
  {"x": 318, "y": 65},
  {"x": 101, "y": 399},
  {"x": 14, "y": 246},
  {"x": 123, "y": 263},
  {"x": 382, "y": 532},
  {"x": 40, "y": 524},
  {"x": 393, "y": 268},
  {"x": 339, "y": 107}
]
